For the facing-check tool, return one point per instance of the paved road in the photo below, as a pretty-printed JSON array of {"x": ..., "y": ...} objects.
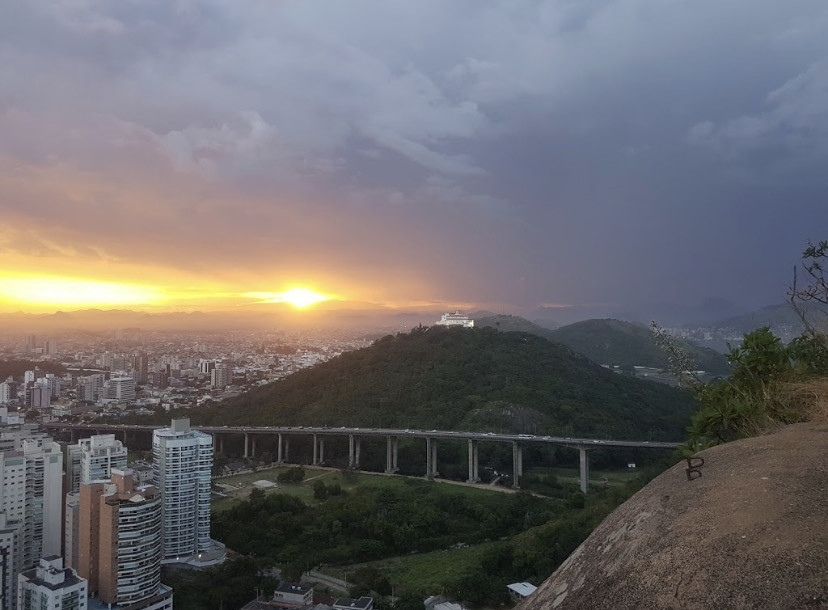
[{"x": 324, "y": 579}]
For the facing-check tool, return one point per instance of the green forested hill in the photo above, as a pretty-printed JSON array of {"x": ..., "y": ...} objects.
[
  {"x": 16, "y": 368},
  {"x": 474, "y": 379},
  {"x": 626, "y": 344}
]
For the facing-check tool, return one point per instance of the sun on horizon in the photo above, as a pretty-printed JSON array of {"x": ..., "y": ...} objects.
[{"x": 299, "y": 297}]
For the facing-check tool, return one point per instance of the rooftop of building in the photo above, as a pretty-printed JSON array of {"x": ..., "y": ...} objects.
[
  {"x": 363, "y": 603},
  {"x": 522, "y": 588},
  {"x": 292, "y": 587},
  {"x": 51, "y": 574}
]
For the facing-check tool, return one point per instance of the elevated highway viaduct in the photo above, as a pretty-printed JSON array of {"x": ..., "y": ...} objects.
[{"x": 283, "y": 435}]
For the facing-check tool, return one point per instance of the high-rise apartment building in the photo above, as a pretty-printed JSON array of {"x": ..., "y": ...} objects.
[
  {"x": 42, "y": 523},
  {"x": 50, "y": 586},
  {"x": 119, "y": 542},
  {"x": 31, "y": 467},
  {"x": 121, "y": 388},
  {"x": 11, "y": 538},
  {"x": 8, "y": 391},
  {"x": 91, "y": 387},
  {"x": 51, "y": 382},
  {"x": 221, "y": 376},
  {"x": 40, "y": 397},
  {"x": 182, "y": 464},
  {"x": 140, "y": 367},
  {"x": 51, "y": 347},
  {"x": 92, "y": 459}
]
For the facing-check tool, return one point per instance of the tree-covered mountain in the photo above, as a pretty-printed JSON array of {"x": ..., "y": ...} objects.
[
  {"x": 464, "y": 379},
  {"x": 17, "y": 367},
  {"x": 782, "y": 319},
  {"x": 621, "y": 343}
]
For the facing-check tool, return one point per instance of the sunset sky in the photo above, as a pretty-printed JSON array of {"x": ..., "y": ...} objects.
[{"x": 181, "y": 154}]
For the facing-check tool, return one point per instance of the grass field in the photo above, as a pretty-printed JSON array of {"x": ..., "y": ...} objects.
[
  {"x": 242, "y": 484},
  {"x": 424, "y": 573}
]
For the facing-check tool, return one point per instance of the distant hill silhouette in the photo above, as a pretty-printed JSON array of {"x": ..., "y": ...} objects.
[
  {"x": 779, "y": 318},
  {"x": 507, "y": 323},
  {"x": 626, "y": 344},
  {"x": 472, "y": 379}
]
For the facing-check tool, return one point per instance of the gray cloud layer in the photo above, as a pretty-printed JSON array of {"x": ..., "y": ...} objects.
[{"x": 616, "y": 151}]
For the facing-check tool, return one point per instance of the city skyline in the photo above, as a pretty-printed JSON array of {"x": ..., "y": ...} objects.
[{"x": 608, "y": 155}]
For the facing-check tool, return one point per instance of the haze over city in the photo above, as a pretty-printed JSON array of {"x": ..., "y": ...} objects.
[{"x": 179, "y": 156}]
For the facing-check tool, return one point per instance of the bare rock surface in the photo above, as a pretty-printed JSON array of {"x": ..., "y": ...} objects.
[{"x": 751, "y": 532}]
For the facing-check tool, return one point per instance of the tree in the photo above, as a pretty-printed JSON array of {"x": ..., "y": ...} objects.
[
  {"x": 292, "y": 475},
  {"x": 814, "y": 260},
  {"x": 320, "y": 490}
]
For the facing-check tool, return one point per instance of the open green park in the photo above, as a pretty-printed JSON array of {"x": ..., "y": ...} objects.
[{"x": 418, "y": 535}]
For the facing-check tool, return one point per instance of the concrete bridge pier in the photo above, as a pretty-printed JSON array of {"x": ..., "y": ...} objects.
[
  {"x": 431, "y": 458},
  {"x": 474, "y": 472},
  {"x": 517, "y": 464},
  {"x": 252, "y": 446},
  {"x": 279, "y": 448},
  {"x": 246, "y": 444},
  {"x": 392, "y": 443},
  {"x": 353, "y": 451},
  {"x": 584, "y": 459},
  {"x": 318, "y": 450},
  {"x": 220, "y": 439}
]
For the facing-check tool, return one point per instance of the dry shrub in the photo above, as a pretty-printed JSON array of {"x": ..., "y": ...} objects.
[{"x": 808, "y": 398}]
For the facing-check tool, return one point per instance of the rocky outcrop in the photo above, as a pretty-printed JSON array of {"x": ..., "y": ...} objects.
[{"x": 750, "y": 532}]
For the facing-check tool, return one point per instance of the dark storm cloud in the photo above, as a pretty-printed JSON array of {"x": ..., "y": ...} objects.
[{"x": 513, "y": 152}]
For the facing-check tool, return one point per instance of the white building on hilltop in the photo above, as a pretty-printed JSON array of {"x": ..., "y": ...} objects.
[
  {"x": 455, "y": 319},
  {"x": 182, "y": 466}
]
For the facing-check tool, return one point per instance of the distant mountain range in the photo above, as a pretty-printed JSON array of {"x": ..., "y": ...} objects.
[
  {"x": 780, "y": 318},
  {"x": 366, "y": 317},
  {"x": 256, "y": 317},
  {"x": 611, "y": 342},
  {"x": 464, "y": 379}
]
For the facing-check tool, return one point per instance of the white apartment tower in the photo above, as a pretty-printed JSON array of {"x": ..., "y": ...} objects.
[
  {"x": 8, "y": 391},
  {"x": 51, "y": 586},
  {"x": 93, "y": 459},
  {"x": 121, "y": 388},
  {"x": 42, "y": 521},
  {"x": 31, "y": 467},
  {"x": 182, "y": 464}
]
